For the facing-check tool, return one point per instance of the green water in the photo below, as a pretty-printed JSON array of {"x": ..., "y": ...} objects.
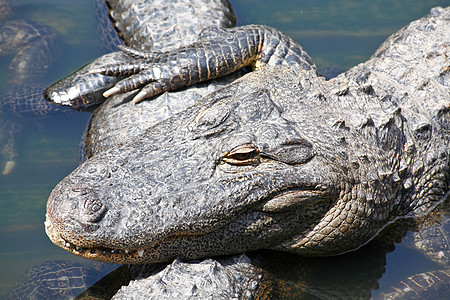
[
  {"x": 335, "y": 33},
  {"x": 47, "y": 149}
]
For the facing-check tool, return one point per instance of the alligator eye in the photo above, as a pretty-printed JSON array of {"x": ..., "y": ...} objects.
[{"x": 242, "y": 155}]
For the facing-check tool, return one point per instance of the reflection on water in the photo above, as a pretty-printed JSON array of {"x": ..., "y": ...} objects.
[{"x": 335, "y": 33}]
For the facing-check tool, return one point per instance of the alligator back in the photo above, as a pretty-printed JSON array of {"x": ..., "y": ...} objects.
[
  {"x": 167, "y": 25},
  {"x": 33, "y": 47}
]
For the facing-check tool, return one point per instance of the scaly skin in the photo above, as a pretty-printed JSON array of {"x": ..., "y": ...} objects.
[
  {"x": 226, "y": 278},
  {"x": 172, "y": 24},
  {"x": 279, "y": 159},
  {"x": 117, "y": 122},
  {"x": 428, "y": 285},
  {"x": 54, "y": 280}
]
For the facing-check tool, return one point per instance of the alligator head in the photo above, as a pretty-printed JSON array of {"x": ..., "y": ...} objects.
[
  {"x": 255, "y": 165},
  {"x": 234, "y": 172}
]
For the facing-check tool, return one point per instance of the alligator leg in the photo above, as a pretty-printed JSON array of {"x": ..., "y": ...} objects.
[{"x": 217, "y": 52}]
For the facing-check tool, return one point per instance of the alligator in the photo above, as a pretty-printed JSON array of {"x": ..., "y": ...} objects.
[
  {"x": 256, "y": 275},
  {"x": 34, "y": 47},
  {"x": 55, "y": 280},
  {"x": 280, "y": 159},
  {"x": 216, "y": 267}
]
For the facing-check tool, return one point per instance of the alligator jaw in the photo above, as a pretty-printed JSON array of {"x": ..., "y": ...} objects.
[
  {"x": 276, "y": 202},
  {"x": 103, "y": 254}
]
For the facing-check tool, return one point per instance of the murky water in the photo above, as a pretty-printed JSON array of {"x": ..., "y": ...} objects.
[{"x": 335, "y": 33}]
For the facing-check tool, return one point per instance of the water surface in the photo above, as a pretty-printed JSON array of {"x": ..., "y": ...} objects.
[{"x": 335, "y": 33}]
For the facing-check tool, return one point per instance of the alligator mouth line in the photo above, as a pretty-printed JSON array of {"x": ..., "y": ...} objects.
[{"x": 105, "y": 254}]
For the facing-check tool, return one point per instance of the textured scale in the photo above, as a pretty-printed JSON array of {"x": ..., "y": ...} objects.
[
  {"x": 105, "y": 28},
  {"x": 167, "y": 71},
  {"x": 35, "y": 47},
  {"x": 429, "y": 285},
  {"x": 54, "y": 280},
  {"x": 117, "y": 120},
  {"x": 167, "y": 25}
]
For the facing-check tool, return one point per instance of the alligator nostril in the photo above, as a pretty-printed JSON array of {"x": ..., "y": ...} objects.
[
  {"x": 92, "y": 209},
  {"x": 92, "y": 206}
]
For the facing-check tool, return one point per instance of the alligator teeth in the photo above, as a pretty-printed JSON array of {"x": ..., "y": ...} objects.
[
  {"x": 47, "y": 224},
  {"x": 140, "y": 253},
  {"x": 67, "y": 244}
]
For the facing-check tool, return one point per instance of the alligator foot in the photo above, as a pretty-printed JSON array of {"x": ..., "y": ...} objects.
[{"x": 210, "y": 57}]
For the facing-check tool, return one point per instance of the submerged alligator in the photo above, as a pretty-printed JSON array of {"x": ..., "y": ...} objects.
[
  {"x": 56, "y": 280},
  {"x": 34, "y": 47},
  {"x": 280, "y": 159}
]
